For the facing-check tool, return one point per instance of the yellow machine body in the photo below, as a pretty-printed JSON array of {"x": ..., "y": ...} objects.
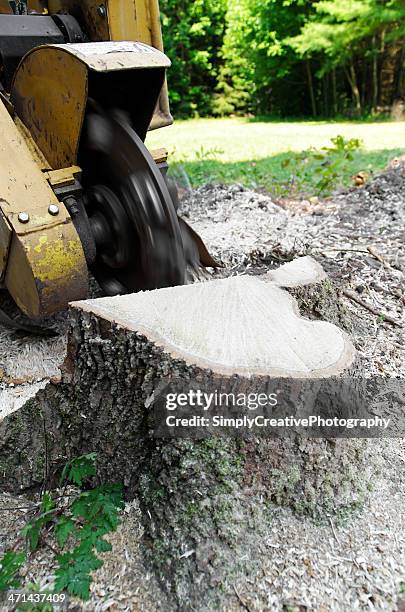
[{"x": 42, "y": 262}]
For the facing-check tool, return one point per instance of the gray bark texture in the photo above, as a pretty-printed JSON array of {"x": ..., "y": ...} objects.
[{"x": 202, "y": 499}]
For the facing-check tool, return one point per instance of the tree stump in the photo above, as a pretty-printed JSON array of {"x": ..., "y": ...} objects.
[{"x": 199, "y": 496}]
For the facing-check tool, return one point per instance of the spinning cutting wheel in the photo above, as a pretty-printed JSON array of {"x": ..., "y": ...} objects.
[{"x": 133, "y": 220}]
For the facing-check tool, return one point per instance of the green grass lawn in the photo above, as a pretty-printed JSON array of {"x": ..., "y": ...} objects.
[{"x": 254, "y": 151}]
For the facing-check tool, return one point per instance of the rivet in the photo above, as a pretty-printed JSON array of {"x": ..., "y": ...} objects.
[
  {"x": 53, "y": 210},
  {"x": 23, "y": 217}
]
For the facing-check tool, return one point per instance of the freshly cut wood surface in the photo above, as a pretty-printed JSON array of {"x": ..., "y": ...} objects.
[
  {"x": 298, "y": 273},
  {"x": 240, "y": 325}
]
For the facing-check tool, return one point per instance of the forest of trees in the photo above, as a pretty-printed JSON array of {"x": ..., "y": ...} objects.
[{"x": 284, "y": 57}]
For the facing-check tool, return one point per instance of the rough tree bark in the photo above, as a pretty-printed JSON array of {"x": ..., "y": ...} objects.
[
  {"x": 201, "y": 497},
  {"x": 310, "y": 87},
  {"x": 374, "y": 74},
  {"x": 352, "y": 78}
]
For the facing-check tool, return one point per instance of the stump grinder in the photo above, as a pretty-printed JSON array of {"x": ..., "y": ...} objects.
[{"x": 81, "y": 83}]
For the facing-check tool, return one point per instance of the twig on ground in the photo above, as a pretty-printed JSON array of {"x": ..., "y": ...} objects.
[
  {"x": 399, "y": 295},
  {"x": 242, "y": 601},
  {"x": 391, "y": 291},
  {"x": 10, "y": 508},
  {"x": 344, "y": 250},
  {"x": 372, "y": 309},
  {"x": 378, "y": 257},
  {"x": 334, "y": 531}
]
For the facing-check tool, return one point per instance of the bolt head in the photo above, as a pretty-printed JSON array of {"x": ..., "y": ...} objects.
[
  {"x": 53, "y": 210},
  {"x": 102, "y": 11},
  {"x": 23, "y": 217}
]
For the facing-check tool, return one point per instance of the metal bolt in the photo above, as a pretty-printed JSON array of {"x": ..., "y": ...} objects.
[
  {"x": 23, "y": 217},
  {"x": 102, "y": 11},
  {"x": 71, "y": 204},
  {"x": 53, "y": 210}
]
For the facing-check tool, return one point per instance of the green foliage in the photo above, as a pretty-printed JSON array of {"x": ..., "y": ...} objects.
[
  {"x": 9, "y": 567},
  {"x": 32, "y": 530},
  {"x": 283, "y": 57},
  {"x": 193, "y": 33},
  {"x": 73, "y": 573},
  {"x": 353, "y": 35},
  {"x": 324, "y": 169},
  {"x": 64, "y": 527},
  {"x": 79, "y": 469},
  {"x": 272, "y": 45},
  {"x": 79, "y": 528},
  {"x": 257, "y": 56},
  {"x": 339, "y": 29},
  {"x": 333, "y": 162}
]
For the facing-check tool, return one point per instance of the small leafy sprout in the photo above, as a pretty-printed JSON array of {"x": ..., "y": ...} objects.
[
  {"x": 79, "y": 469},
  {"x": 64, "y": 527},
  {"x": 32, "y": 530},
  {"x": 322, "y": 169},
  {"x": 73, "y": 573},
  {"x": 92, "y": 515},
  {"x": 202, "y": 153},
  {"x": 10, "y": 565},
  {"x": 79, "y": 529}
]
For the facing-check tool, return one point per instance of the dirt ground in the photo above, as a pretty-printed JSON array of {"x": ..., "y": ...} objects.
[{"x": 358, "y": 564}]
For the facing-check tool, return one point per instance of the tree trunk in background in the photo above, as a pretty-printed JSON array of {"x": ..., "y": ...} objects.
[
  {"x": 381, "y": 53},
  {"x": 352, "y": 78},
  {"x": 325, "y": 91},
  {"x": 399, "y": 87},
  {"x": 375, "y": 76},
  {"x": 389, "y": 73},
  {"x": 311, "y": 87},
  {"x": 364, "y": 83},
  {"x": 334, "y": 93}
]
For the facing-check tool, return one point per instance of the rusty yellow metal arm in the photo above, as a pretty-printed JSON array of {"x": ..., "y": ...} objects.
[{"x": 42, "y": 263}]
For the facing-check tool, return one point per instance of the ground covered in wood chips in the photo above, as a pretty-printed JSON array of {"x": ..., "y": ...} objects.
[{"x": 356, "y": 563}]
